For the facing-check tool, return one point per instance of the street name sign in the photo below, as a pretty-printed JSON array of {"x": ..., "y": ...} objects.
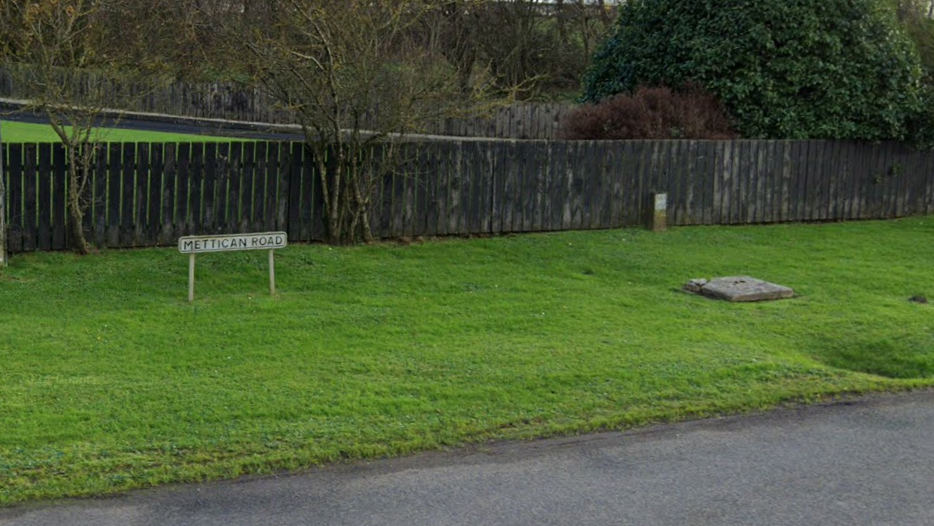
[
  {"x": 203, "y": 244},
  {"x": 193, "y": 245}
]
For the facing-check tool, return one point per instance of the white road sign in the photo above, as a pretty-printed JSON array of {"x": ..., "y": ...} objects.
[
  {"x": 192, "y": 245},
  {"x": 261, "y": 241}
]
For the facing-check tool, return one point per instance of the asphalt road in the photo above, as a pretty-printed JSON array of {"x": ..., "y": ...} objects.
[{"x": 868, "y": 462}]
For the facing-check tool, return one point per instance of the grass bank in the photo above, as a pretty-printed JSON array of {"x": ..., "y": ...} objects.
[
  {"x": 111, "y": 380},
  {"x": 26, "y": 132}
]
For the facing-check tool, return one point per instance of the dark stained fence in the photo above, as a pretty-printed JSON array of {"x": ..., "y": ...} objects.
[
  {"x": 147, "y": 194},
  {"x": 519, "y": 121},
  {"x": 150, "y": 194}
]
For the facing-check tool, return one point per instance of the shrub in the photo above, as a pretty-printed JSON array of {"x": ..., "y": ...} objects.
[
  {"x": 784, "y": 69},
  {"x": 650, "y": 113}
]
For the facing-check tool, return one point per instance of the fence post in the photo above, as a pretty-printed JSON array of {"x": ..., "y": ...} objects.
[
  {"x": 656, "y": 212},
  {"x": 3, "y": 258}
]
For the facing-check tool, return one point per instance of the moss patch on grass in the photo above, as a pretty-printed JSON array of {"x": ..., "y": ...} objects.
[{"x": 112, "y": 381}]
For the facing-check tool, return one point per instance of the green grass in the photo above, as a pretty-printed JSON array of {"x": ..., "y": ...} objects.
[
  {"x": 24, "y": 132},
  {"x": 111, "y": 380}
]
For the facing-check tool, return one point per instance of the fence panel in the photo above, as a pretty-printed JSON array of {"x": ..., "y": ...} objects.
[
  {"x": 154, "y": 200},
  {"x": 169, "y": 196},
  {"x": 44, "y": 194},
  {"x": 14, "y": 174},
  {"x": 59, "y": 188},
  {"x": 30, "y": 197},
  {"x": 141, "y": 195},
  {"x": 151, "y": 194}
]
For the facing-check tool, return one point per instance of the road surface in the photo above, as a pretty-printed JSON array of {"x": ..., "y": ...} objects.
[{"x": 866, "y": 462}]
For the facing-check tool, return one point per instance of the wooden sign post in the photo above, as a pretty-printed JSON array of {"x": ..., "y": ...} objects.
[{"x": 193, "y": 245}]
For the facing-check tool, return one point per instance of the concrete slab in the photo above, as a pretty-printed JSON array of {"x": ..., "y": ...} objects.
[{"x": 745, "y": 288}]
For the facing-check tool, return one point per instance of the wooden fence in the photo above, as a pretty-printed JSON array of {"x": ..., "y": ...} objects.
[
  {"x": 150, "y": 194},
  {"x": 236, "y": 102}
]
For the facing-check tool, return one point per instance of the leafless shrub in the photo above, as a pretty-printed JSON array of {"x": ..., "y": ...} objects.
[{"x": 650, "y": 113}]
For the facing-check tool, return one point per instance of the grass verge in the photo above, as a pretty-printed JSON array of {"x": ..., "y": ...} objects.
[
  {"x": 112, "y": 381},
  {"x": 26, "y": 132}
]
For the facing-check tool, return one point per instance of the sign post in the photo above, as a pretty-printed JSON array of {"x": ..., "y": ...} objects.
[
  {"x": 193, "y": 245},
  {"x": 191, "y": 277},
  {"x": 272, "y": 274}
]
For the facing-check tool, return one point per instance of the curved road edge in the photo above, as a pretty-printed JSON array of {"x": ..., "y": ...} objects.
[{"x": 862, "y": 461}]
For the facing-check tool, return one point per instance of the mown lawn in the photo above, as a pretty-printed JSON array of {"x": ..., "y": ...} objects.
[
  {"x": 25, "y": 132},
  {"x": 111, "y": 380}
]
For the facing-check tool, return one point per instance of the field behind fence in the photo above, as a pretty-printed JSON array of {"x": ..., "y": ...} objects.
[
  {"x": 150, "y": 194},
  {"x": 237, "y": 102}
]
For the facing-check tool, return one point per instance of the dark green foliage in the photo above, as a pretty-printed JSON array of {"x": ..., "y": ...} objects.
[{"x": 784, "y": 68}]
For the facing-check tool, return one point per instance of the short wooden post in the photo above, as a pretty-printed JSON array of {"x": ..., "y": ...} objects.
[
  {"x": 191, "y": 277},
  {"x": 656, "y": 212},
  {"x": 272, "y": 273}
]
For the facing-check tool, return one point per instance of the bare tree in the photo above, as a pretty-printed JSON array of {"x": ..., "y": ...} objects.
[
  {"x": 74, "y": 68},
  {"x": 451, "y": 28},
  {"x": 354, "y": 76},
  {"x": 543, "y": 45}
]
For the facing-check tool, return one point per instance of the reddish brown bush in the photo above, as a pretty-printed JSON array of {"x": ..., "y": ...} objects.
[{"x": 650, "y": 113}]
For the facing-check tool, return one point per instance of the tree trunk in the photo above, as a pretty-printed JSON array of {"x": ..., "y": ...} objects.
[
  {"x": 75, "y": 208},
  {"x": 328, "y": 191},
  {"x": 562, "y": 22},
  {"x": 76, "y": 217},
  {"x": 363, "y": 209},
  {"x": 338, "y": 187}
]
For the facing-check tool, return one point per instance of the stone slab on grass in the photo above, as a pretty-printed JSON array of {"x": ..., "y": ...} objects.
[{"x": 745, "y": 288}]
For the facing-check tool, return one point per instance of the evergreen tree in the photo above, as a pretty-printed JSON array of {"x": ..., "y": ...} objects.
[{"x": 788, "y": 69}]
